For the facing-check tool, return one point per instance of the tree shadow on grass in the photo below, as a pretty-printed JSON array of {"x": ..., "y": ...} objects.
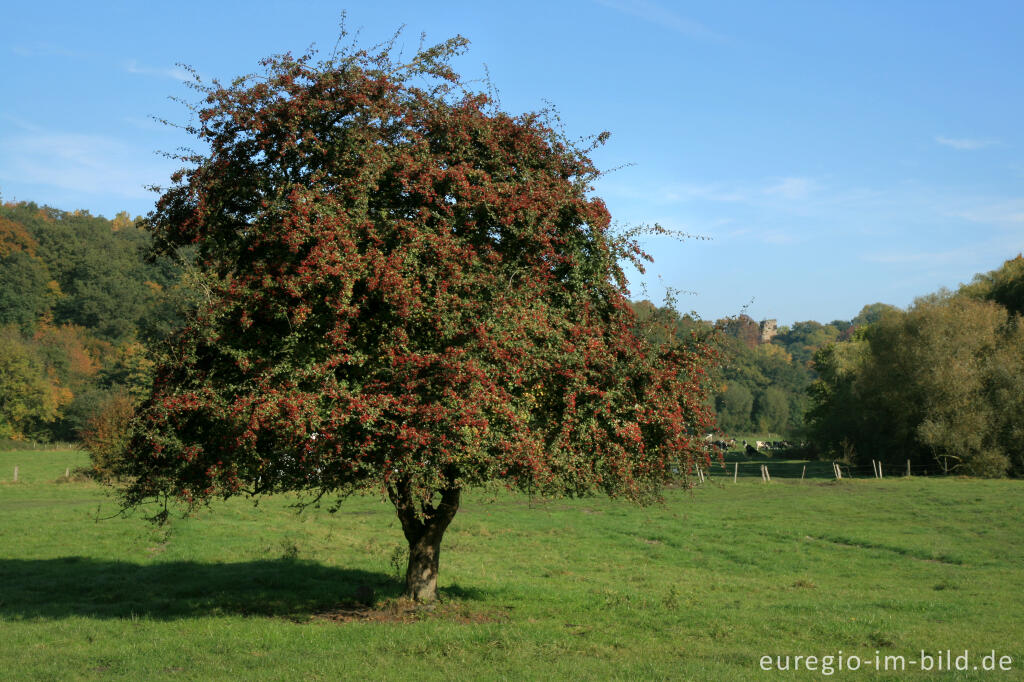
[{"x": 81, "y": 586}]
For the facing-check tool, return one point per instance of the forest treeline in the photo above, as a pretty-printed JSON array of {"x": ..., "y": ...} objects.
[
  {"x": 939, "y": 384},
  {"x": 79, "y": 301}
]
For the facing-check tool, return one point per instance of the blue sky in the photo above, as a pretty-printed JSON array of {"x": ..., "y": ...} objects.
[{"x": 834, "y": 154}]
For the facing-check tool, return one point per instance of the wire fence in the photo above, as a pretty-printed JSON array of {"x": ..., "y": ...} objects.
[
  {"x": 736, "y": 466},
  {"x": 768, "y": 469},
  {"x": 11, "y": 445}
]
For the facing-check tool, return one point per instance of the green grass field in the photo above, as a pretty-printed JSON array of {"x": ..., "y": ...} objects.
[{"x": 698, "y": 588}]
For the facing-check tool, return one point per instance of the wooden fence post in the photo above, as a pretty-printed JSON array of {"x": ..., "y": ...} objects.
[
  {"x": 15, "y": 473},
  {"x": 735, "y": 472},
  {"x": 908, "y": 467},
  {"x": 803, "y": 473},
  {"x": 767, "y": 474}
]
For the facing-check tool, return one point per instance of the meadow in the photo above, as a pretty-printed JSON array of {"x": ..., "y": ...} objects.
[{"x": 700, "y": 587}]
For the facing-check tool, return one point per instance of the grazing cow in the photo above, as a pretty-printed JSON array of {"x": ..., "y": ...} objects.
[{"x": 751, "y": 450}]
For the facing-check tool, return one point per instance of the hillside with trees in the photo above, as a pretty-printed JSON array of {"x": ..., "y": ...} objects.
[
  {"x": 79, "y": 300},
  {"x": 762, "y": 383}
]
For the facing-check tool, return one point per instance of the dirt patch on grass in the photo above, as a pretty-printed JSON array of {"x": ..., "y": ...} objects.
[{"x": 408, "y": 611}]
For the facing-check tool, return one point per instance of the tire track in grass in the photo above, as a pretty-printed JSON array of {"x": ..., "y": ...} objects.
[{"x": 902, "y": 551}]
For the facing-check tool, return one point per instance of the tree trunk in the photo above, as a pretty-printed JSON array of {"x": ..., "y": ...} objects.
[{"x": 424, "y": 529}]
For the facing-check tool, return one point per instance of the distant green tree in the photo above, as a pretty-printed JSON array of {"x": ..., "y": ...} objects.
[
  {"x": 1004, "y": 285},
  {"x": 804, "y": 338},
  {"x": 733, "y": 407},
  {"x": 97, "y": 267},
  {"x": 25, "y": 291},
  {"x": 835, "y": 410},
  {"x": 771, "y": 410},
  {"x": 663, "y": 324},
  {"x": 940, "y": 384},
  {"x": 872, "y": 313}
]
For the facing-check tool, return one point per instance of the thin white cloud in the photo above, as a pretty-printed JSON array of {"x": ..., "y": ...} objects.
[
  {"x": 756, "y": 193},
  {"x": 778, "y": 238},
  {"x": 965, "y": 143},
  {"x": 44, "y": 50},
  {"x": 1003, "y": 213},
  {"x": 147, "y": 124},
  {"x": 769, "y": 236},
  {"x": 178, "y": 73},
  {"x": 86, "y": 163},
  {"x": 791, "y": 188},
  {"x": 712, "y": 192},
  {"x": 664, "y": 17},
  {"x": 911, "y": 257},
  {"x": 968, "y": 257}
]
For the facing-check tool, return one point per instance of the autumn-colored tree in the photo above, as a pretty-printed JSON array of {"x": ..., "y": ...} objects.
[
  {"x": 742, "y": 327},
  {"x": 30, "y": 392},
  {"x": 15, "y": 238},
  {"x": 82, "y": 294},
  {"x": 106, "y": 433},
  {"x": 407, "y": 290}
]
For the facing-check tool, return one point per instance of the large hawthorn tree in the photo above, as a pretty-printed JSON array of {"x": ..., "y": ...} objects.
[{"x": 409, "y": 291}]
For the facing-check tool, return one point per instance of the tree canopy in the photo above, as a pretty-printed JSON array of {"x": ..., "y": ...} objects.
[
  {"x": 1004, "y": 285},
  {"x": 938, "y": 384},
  {"x": 408, "y": 291}
]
